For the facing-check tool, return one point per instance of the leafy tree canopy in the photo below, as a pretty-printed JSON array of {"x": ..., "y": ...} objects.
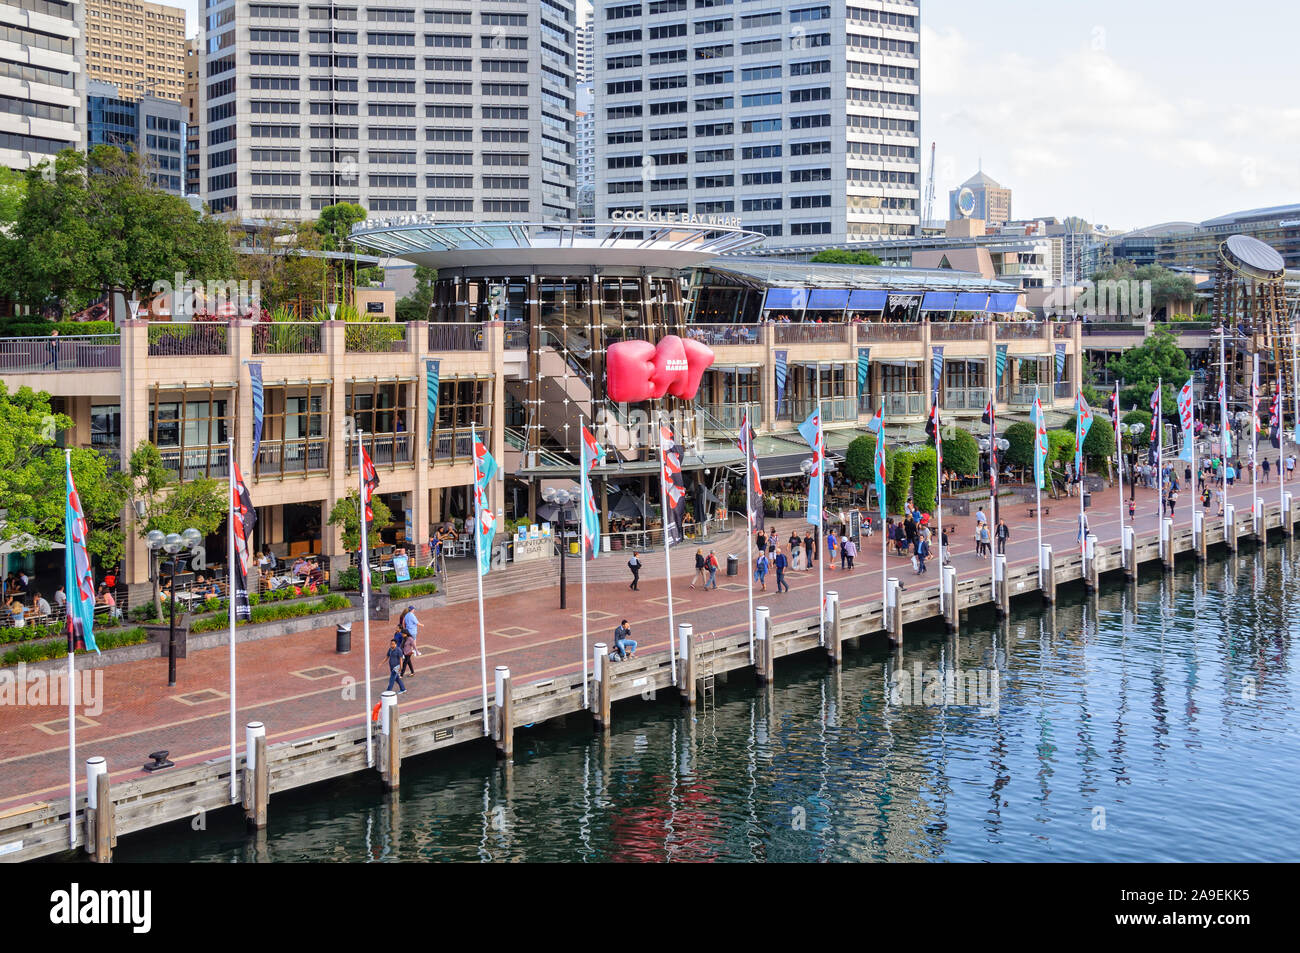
[
  {"x": 1158, "y": 358},
  {"x": 415, "y": 306},
  {"x": 346, "y": 514},
  {"x": 172, "y": 507},
  {"x": 335, "y": 224},
  {"x": 90, "y": 224},
  {"x": 961, "y": 453},
  {"x": 841, "y": 256}
]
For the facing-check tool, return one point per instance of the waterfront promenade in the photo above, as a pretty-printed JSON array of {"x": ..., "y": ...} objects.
[{"x": 301, "y": 688}]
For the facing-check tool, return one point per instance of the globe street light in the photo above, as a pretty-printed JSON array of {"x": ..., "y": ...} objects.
[
  {"x": 174, "y": 544},
  {"x": 1135, "y": 430},
  {"x": 562, "y": 499}
]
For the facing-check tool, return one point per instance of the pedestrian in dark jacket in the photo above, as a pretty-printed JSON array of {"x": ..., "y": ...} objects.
[
  {"x": 780, "y": 562},
  {"x": 699, "y": 568},
  {"x": 809, "y": 550},
  {"x": 1002, "y": 534},
  {"x": 634, "y": 564},
  {"x": 395, "y": 667}
]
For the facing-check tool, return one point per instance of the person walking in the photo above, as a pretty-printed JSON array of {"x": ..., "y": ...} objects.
[
  {"x": 943, "y": 548},
  {"x": 780, "y": 562},
  {"x": 760, "y": 571},
  {"x": 831, "y": 545},
  {"x": 409, "y": 632},
  {"x": 980, "y": 518},
  {"x": 699, "y": 568},
  {"x": 395, "y": 667},
  {"x": 850, "y": 550},
  {"x": 53, "y": 348},
  {"x": 984, "y": 540},
  {"x": 1173, "y": 500},
  {"x": 809, "y": 550},
  {"x": 1264, "y": 468},
  {"x": 711, "y": 565},
  {"x": 760, "y": 543},
  {"x": 634, "y": 564},
  {"x": 1003, "y": 533},
  {"x": 1290, "y": 466},
  {"x": 922, "y": 553}
]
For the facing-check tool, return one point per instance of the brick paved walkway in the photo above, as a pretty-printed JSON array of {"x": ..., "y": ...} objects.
[{"x": 298, "y": 685}]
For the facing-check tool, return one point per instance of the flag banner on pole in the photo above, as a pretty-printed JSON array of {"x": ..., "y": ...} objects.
[
  {"x": 1185, "y": 420},
  {"x": 674, "y": 486},
  {"x": 485, "y": 529},
  {"x": 811, "y": 429},
  {"x": 936, "y": 368},
  {"x": 243, "y": 519},
  {"x": 878, "y": 469},
  {"x": 864, "y": 370},
  {"x": 259, "y": 407},
  {"x": 592, "y": 454},
  {"x": 1156, "y": 405},
  {"x": 1040, "y": 444},
  {"x": 1275, "y": 417},
  {"x": 990, "y": 417},
  {"x": 877, "y": 422},
  {"x": 754, "y": 490},
  {"x": 431, "y": 383},
  {"x": 78, "y": 582},
  {"x": 1001, "y": 362},
  {"x": 1113, "y": 402},
  {"x": 370, "y": 480},
  {"x": 934, "y": 430},
  {"x": 1060, "y": 361},
  {"x": 779, "y": 370},
  {"x": 1082, "y": 424}
]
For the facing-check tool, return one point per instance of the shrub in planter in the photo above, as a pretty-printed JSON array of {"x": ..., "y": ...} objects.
[{"x": 419, "y": 589}]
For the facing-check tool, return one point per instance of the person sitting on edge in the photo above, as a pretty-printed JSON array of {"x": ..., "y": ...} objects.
[{"x": 623, "y": 641}]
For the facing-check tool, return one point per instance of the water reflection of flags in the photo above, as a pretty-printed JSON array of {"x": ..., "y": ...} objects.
[
  {"x": 592, "y": 454},
  {"x": 811, "y": 430},
  {"x": 754, "y": 484},
  {"x": 79, "y": 583},
  {"x": 485, "y": 521}
]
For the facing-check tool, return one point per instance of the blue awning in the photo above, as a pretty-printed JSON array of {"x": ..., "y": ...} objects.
[
  {"x": 867, "y": 300},
  {"x": 939, "y": 301},
  {"x": 1003, "y": 303},
  {"x": 972, "y": 301},
  {"x": 828, "y": 299},
  {"x": 792, "y": 299}
]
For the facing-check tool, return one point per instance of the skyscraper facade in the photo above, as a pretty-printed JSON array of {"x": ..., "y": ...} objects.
[
  {"x": 42, "y": 80},
  {"x": 801, "y": 120},
  {"x": 138, "y": 47},
  {"x": 150, "y": 126},
  {"x": 463, "y": 109}
]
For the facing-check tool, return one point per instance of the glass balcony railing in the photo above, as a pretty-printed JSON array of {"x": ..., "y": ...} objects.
[
  {"x": 965, "y": 398},
  {"x": 725, "y": 418},
  {"x": 904, "y": 405}
]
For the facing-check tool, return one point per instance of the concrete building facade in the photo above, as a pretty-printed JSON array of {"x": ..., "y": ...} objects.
[
  {"x": 42, "y": 80},
  {"x": 979, "y": 197},
  {"x": 138, "y": 47},
  {"x": 458, "y": 108},
  {"x": 151, "y": 127},
  {"x": 801, "y": 121}
]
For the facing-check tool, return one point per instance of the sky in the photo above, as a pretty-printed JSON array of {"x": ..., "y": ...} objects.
[{"x": 1125, "y": 112}]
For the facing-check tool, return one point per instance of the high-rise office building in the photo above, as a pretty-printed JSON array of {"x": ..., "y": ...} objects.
[
  {"x": 138, "y": 47},
  {"x": 459, "y": 108},
  {"x": 586, "y": 39},
  {"x": 42, "y": 80},
  {"x": 193, "y": 70},
  {"x": 802, "y": 120},
  {"x": 981, "y": 198},
  {"x": 586, "y": 152},
  {"x": 150, "y": 126}
]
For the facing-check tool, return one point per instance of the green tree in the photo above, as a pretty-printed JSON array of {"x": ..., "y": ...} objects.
[
  {"x": 898, "y": 479},
  {"x": 335, "y": 224},
  {"x": 415, "y": 306},
  {"x": 1021, "y": 437},
  {"x": 841, "y": 256},
  {"x": 92, "y": 224},
  {"x": 1167, "y": 287},
  {"x": 13, "y": 190},
  {"x": 1100, "y": 440},
  {"x": 1159, "y": 357},
  {"x": 346, "y": 514},
  {"x": 925, "y": 484},
  {"x": 1060, "y": 448},
  {"x": 32, "y": 478},
  {"x": 859, "y": 459},
  {"x": 961, "y": 454}
]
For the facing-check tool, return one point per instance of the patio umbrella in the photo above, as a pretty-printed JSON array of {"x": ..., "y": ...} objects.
[{"x": 629, "y": 506}]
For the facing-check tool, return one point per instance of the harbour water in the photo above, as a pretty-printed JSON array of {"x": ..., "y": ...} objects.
[{"x": 1149, "y": 723}]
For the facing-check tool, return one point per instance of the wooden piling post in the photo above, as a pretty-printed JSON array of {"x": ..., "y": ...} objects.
[
  {"x": 256, "y": 775},
  {"x": 1130, "y": 552},
  {"x": 1090, "y": 573},
  {"x": 600, "y": 684},
  {"x": 1001, "y": 591},
  {"x": 504, "y": 728},
  {"x": 1167, "y": 543},
  {"x": 951, "y": 612},
  {"x": 100, "y": 835},
  {"x": 834, "y": 648},
  {"x": 686, "y": 647},
  {"x": 1257, "y": 525},
  {"x": 1288, "y": 526},
  {"x": 895, "y": 612},
  {"x": 393, "y": 777},
  {"x": 1230, "y": 527},
  {"x": 1198, "y": 535},
  {"x": 1049, "y": 573},
  {"x": 763, "y": 654}
]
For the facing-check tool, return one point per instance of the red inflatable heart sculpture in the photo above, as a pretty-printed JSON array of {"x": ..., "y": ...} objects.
[{"x": 638, "y": 370}]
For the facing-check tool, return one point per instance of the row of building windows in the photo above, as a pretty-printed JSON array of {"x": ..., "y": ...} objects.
[
  {"x": 268, "y": 11},
  {"x": 796, "y": 41},
  {"x": 287, "y": 203},
  {"x": 494, "y": 183}
]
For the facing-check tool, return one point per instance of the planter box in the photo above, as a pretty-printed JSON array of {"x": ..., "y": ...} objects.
[
  {"x": 161, "y": 633},
  {"x": 268, "y": 630},
  {"x": 127, "y": 653}
]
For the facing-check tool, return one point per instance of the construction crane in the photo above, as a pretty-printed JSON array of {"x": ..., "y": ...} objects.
[{"x": 927, "y": 205}]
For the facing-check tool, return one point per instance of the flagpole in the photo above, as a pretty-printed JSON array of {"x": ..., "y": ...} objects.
[
  {"x": 364, "y": 570},
  {"x": 478, "y": 575},
  {"x": 582, "y": 546},
  {"x": 1119, "y": 460},
  {"x": 821, "y": 523},
  {"x": 745, "y": 432},
  {"x": 668, "y": 568},
  {"x": 230, "y": 598},
  {"x": 72, "y": 661},
  {"x": 1254, "y": 444},
  {"x": 1038, "y": 483}
]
